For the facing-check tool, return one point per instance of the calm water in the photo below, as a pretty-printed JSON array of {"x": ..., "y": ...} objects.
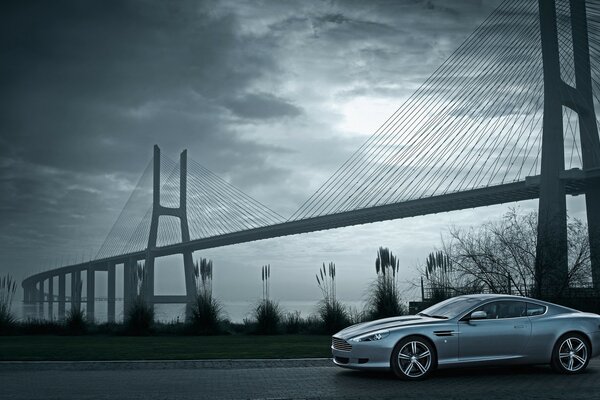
[{"x": 235, "y": 311}]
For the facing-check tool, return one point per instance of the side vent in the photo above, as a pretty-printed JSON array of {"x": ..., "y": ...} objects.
[{"x": 443, "y": 333}]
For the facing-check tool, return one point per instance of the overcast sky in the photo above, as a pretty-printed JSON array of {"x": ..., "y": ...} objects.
[{"x": 271, "y": 95}]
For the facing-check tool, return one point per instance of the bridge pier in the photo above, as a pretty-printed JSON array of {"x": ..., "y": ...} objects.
[
  {"x": 551, "y": 268},
  {"x": 51, "y": 298},
  {"x": 75, "y": 290},
  {"x": 111, "y": 293},
  {"x": 552, "y": 247},
  {"x": 90, "y": 293},
  {"x": 129, "y": 289},
  {"x": 61, "y": 296},
  {"x": 40, "y": 299},
  {"x": 590, "y": 142},
  {"x": 26, "y": 294}
]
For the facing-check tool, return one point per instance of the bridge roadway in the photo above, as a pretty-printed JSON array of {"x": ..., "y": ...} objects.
[
  {"x": 575, "y": 183},
  {"x": 282, "y": 379}
]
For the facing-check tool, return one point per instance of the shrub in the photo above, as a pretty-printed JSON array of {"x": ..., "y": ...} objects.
[
  {"x": 8, "y": 287},
  {"x": 35, "y": 326},
  {"x": 267, "y": 314},
  {"x": 384, "y": 298},
  {"x": 205, "y": 315},
  {"x": 205, "y": 311},
  {"x": 75, "y": 322},
  {"x": 334, "y": 315},
  {"x": 268, "y": 317},
  {"x": 139, "y": 318},
  {"x": 356, "y": 317},
  {"x": 292, "y": 322}
]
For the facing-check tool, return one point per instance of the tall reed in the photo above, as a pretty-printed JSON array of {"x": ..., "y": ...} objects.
[
  {"x": 333, "y": 314},
  {"x": 8, "y": 288},
  {"x": 75, "y": 321},
  {"x": 384, "y": 297},
  {"x": 267, "y": 313},
  {"x": 206, "y": 311},
  {"x": 139, "y": 317}
]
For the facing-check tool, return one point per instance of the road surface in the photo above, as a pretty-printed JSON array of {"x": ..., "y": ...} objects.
[{"x": 291, "y": 379}]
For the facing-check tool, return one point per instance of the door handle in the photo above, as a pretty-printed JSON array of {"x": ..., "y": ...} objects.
[{"x": 519, "y": 326}]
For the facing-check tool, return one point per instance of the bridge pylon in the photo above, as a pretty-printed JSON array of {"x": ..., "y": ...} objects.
[
  {"x": 552, "y": 251},
  {"x": 179, "y": 212}
]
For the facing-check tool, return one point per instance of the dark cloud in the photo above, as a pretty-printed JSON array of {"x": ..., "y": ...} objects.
[{"x": 261, "y": 106}]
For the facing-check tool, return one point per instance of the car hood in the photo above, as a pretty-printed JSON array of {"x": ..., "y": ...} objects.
[{"x": 386, "y": 323}]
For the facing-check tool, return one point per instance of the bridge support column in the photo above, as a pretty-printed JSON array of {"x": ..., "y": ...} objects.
[
  {"x": 111, "y": 293},
  {"x": 129, "y": 289},
  {"x": 188, "y": 260},
  {"x": 40, "y": 299},
  {"x": 91, "y": 293},
  {"x": 26, "y": 294},
  {"x": 76, "y": 291},
  {"x": 552, "y": 250},
  {"x": 551, "y": 258},
  {"x": 61, "y": 296},
  {"x": 51, "y": 297},
  {"x": 588, "y": 128}
]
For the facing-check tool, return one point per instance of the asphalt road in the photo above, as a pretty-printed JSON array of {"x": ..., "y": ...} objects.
[{"x": 308, "y": 379}]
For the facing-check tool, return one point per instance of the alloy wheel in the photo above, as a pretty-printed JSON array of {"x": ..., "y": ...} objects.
[
  {"x": 573, "y": 354},
  {"x": 414, "y": 359}
]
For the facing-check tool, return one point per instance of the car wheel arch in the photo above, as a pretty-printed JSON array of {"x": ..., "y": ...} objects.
[
  {"x": 558, "y": 365},
  {"x": 420, "y": 336},
  {"x": 575, "y": 332}
]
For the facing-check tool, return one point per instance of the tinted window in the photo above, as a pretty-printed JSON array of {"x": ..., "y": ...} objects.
[
  {"x": 535, "y": 309},
  {"x": 452, "y": 307},
  {"x": 504, "y": 309}
]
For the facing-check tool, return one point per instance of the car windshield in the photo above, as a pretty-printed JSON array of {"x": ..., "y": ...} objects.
[{"x": 450, "y": 308}]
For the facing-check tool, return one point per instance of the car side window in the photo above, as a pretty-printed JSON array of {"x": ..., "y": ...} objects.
[
  {"x": 504, "y": 309},
  {"x": 535, "y": 309}
]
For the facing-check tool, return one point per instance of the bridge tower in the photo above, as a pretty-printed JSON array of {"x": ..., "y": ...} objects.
[
  {"x": 152, "y": 251},
  {"x": 551, "y": 254}
]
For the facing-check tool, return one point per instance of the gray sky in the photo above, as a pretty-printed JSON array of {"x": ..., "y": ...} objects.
[{"x": 271, "y": 95}]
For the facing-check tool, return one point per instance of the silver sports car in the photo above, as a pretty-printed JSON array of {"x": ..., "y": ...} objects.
[{"x": 472, "y": 330}]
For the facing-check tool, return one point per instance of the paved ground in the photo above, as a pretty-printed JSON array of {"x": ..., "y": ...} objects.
[{"x": 291, "y": 379}]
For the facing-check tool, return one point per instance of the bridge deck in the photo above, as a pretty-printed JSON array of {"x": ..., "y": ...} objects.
[{"x": 575, "y": 181}]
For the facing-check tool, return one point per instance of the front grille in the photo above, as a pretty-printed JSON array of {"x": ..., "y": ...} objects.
[{"x": 340, "y": 344}]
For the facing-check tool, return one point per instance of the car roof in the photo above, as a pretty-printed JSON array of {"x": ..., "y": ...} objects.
[
  {"x": 490, "y": 296},
  {"x": 487, "y": 296}
]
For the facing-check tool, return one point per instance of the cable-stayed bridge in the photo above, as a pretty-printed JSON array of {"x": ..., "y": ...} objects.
[{"x": 509, "y": 116}]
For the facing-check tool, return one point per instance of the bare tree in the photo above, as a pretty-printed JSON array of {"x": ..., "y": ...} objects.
[{"x": 499, "y": 257}]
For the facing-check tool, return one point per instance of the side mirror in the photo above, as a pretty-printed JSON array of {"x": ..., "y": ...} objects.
[{"x": 478, "y": 315}]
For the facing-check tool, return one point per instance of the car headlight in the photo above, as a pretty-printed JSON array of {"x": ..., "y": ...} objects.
[{"x": 371, "y": 337}]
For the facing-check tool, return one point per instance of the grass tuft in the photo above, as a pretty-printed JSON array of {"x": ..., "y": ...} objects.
[
  {"x": 268, "y": 317},
  {"x": 205, "y": 318},
  {"x": 139, "y": 318},
  {"x": 8, "y": 287},
  {"x": 76, "y": 323}
]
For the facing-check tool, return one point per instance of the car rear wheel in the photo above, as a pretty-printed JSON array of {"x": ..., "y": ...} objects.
[
  {"x": 413, "y": 358},
  {"x": 571, "y": 354}
]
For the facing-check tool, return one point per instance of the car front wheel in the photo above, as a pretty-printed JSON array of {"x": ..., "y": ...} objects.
[
  {"x": 413, "y": 358},
  {"x": 571, "y": 354}
]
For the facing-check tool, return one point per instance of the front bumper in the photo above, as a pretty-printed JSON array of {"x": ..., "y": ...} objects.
[{"x": 364, "y": 355}]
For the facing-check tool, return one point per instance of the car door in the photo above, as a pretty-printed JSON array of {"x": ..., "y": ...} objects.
[{"x": 504, "y": 333}]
